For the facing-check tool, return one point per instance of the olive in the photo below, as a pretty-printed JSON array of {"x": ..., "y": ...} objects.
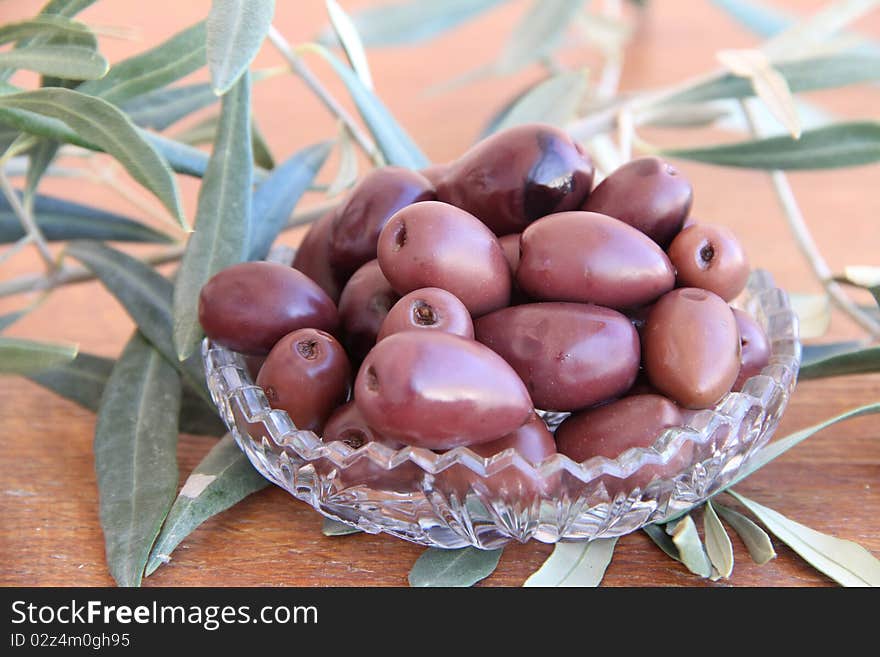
[
  {"x": 347, "y": 425},
  {"x": 363, "y": 305},
  {"x": 312, "y": 257},
  {"x": 534, "y": 443},
  {"x": 428, "y": 309},
  {"x": 359, "y": 220},
  {"x": 510, "y": 246},
  {"x": 569, "y": 355},
  {"x": 438, "y": 390},
  {"x": 591, "y": 258},
  {"x": 754, "y": 347},
  {"x": 518, "y": 175},
  {"x": 248, "y": 307},
  {"x": 709, "y": 257},
  {"x": 433, "y": 244},
  {"x": 691, "y": 347},
  {"x": 308, "y": 375},
  {"x": 646, "y": 193},
  {"x": 434, "y": 173},
  {"x": 610, "y": 430}
]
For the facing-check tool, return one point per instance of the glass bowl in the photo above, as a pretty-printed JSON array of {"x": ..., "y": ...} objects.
[{"x": 458, "y": 498}]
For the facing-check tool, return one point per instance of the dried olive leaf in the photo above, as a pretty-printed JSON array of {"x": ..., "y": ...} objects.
[
  {"x": 718, "y": 545},
  {"x": 833, "y": 146},
  {"x": 554, "y": 101},
  {"x": 448, "y": 568},
  {"x": 845, "y": 562},
  {"x": 66, "y": 61},
  {"x": 690, "y": 547},
  {"x": 348, "y": 36},
  {"x": 406, "y": 23},
  {"x": 100, "y": 123},
  {"x": 396, "y": 145},
  {"x": 335, "y": 528},
  {"x": 755, "y": 539},
  {"x": 20, "y": 356},
  {"x": 136, "y": 456},
  {"x": 222, "y": 215},
  {"x": 575, "y": 563},
  {"x": 236, "y": 30},
  {"x": 537, "y": 34},
  {"x": 61, "y": 220},
  {"x": 222, "y": 479},
  {"x": 277, "y": 196},
  {"x": 861, "y": 361},
  {"x": 148, "y": 71}
]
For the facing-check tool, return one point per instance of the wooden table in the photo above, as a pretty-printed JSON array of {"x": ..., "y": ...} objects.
[{"x": 48, "y": 499}]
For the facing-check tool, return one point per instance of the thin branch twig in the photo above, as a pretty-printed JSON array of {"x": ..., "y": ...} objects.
[{"x": 28, "y": 222}]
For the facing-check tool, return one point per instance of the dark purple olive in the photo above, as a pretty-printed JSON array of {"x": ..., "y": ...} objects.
[
  {"x": 428, "y": 309},
  {"x": 692, "y": 347},
  {"x": 433, "y": 244},
  {"x": 510, "y": 245},
  {"x": 438, "y": 390},
  {"x": 248, "y": 307},
  {"x": 591, "y": 258},
  {"x": 363, "y": 305},
  {"x": 610, "y": 430},
  {"x": 308, "y": 375},
  {"x": 648, "y": 194},
  {"x": 435, "y": 172},
  {"x": 348, "y": 426},
  {"x": 518, "y": 175},
  {"x": 532, "y": 441},
  {"x": 709, "y": 257},
  {"x": 312, "y": 257},
  {"x": 754, "y": 348},
  {"x": 569, "y": 355},
  {"x": 359, "y": 220}
]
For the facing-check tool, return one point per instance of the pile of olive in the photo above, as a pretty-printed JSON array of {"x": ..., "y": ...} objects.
[{"x": 441, "y": 308}]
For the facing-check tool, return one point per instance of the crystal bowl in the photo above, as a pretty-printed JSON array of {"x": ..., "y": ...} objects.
[{"x": 457, "y": 498}]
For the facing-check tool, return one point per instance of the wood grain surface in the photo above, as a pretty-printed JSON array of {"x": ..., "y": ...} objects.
[{"x": 49, "y": 534}]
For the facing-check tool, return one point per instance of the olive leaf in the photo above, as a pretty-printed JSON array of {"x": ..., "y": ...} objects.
[
  {"x": 662, "y": 540},
  {"x": 222, "y": 215},
  {"x": 47, "y": 26},
  {"x": 164, "y": 107},
  {"x": 834, "y": 146},
  {"x": 351, "y": 42},
  {"x": 222, "y": 479},
  {"x": 865, "y": 277},
  {"x": 145, "y": 294},
  {"x": 396, "y": 145},
  {"x": 182, "y": 158},
  {"x": 277, "y": 196},
  {"x": 690, "y": 547},
  {"x": 762, "y": 19},
  {"x": 136, "y": 456},
  {"x": 575, "y": 563},
  {"x": 205, "y": 131},
  {"x": 39, "y": 159},
  {"x": 347, "y": 173},
  {"x": 861, "y": 361},
  {"x": 845, "y": 562},
  {"x": 816, "y": 352},
  {"x": 755, "y": 539},
  {"x": 718, "y": 545},
  {"x": 99, "y": 122},
  {"x": 407, "y": 23},
  {"x": 554, "y": 101},
  {"x": 236, "y": 30},
  {"x": 262, "y": 153},
  {"x": 537, "y": 34},
  {"x": 453, "y": 568},
  {"x": 65, "y": 220},
  {"x": 69, "y": 61},
  {"x": 20, "y": 356},
  {"x": 803, "y": 37},
  {"x": 335, "y": 528}
]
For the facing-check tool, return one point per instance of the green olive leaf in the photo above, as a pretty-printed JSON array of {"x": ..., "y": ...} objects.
[
  {"x": 811, "y": 353},
  {"x": 61, "y": 220},
  {"x": 847, "y": 563},
  {"x": 39, "y": 159},
  {"x": 453, "y": 568},
  {"x": 277, "y": 196},
  {"x": 407, "y": 23},
  {"x": 222, "y": 216},
  {"x": 690, "y": 547},
  {"x": 718, "y": 545},
  {"x": 537, "y": 34},
  {"x": 762, "y": 19},
  {"x": 755, "y": 539},
  {"x": 222, "y": 479},
  {"x": 99, "y": 122},
  {"x": 830, "y": 147},
  {"x": 348, "y": 36},
  {"x": 46, "y": 27},
  {"x": 335, "y": 528},
  {"x": 865, "y": 277},
  {"x": 236, "y": 30},
  {"x": 262, "y": 153},
  {"x": 164, "y": 107},
  {"x": 575, "y": 563},
  {"x": 860, "y": 361},
  {"x": 205, "y": 131},
  {"x": 64, "y": 61},
  {"x": 554, "y": 101},
  {"x": 347, "y": 171},
  {"x": 20, "y": 356},
  {"x": 136, "y": 456},
  {"x": 396, "y": 145},
  {"x": 662, "y": 540}
]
